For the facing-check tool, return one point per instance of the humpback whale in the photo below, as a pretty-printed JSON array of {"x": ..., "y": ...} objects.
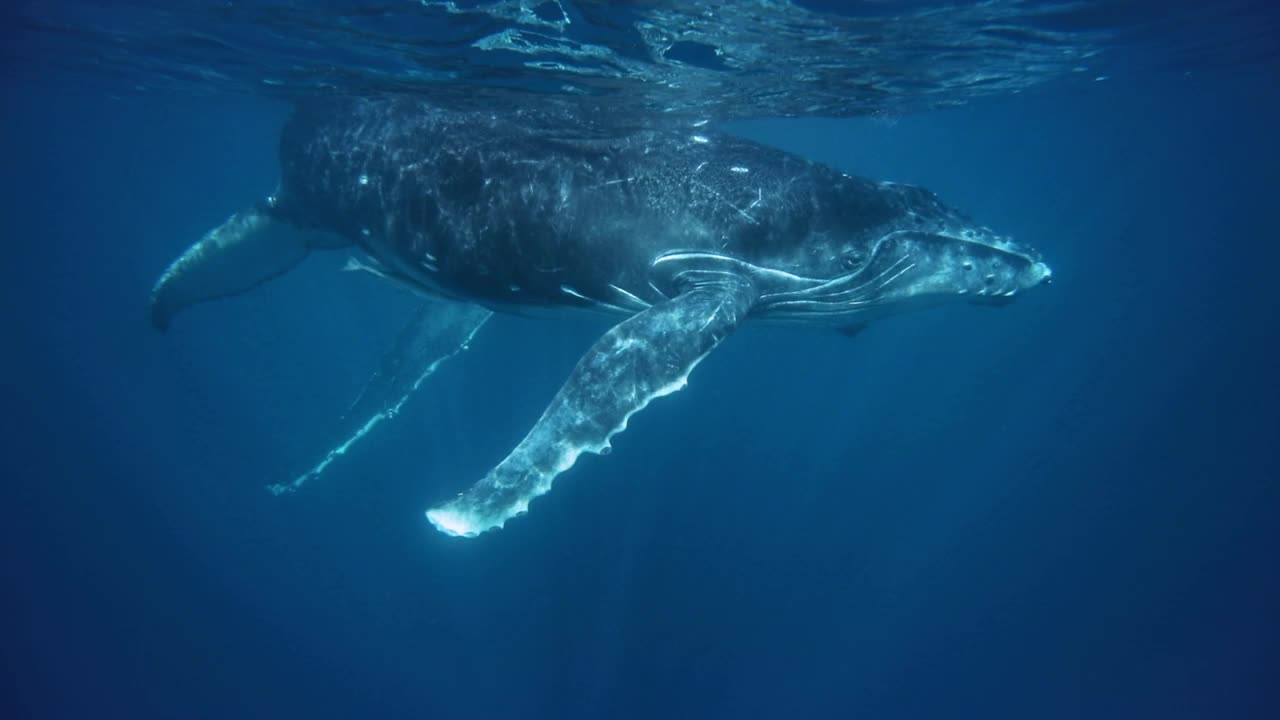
[{"x": 682, "y": 232}]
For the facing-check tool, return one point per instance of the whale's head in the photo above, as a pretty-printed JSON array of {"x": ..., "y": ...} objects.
[
  {"x": 914, "y": 251},
  {"x": 861, "y": 251},
  {"x": 912, "y": 266}
]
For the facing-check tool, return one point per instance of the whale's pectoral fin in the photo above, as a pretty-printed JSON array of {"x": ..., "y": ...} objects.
[
  {"x": 646, "y": 356},
  {"x": 438, "y": 330},
  {"x": 248, "y": 249}
]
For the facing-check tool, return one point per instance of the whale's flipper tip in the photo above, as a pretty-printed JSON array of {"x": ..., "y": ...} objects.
[{"x": 453, "y": 523}]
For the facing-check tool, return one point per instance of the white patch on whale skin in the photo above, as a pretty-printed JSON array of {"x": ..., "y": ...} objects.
[
  {"x": 736, "y": 266},
  {"x": 570, "y": 291},
  {"x": 631, "y": 298},
  {"x": 597, "y": 304},
  {"x": 355, "y": 264}
]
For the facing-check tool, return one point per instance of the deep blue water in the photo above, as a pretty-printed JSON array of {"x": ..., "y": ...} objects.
[{"x": 1061, "y": 508}]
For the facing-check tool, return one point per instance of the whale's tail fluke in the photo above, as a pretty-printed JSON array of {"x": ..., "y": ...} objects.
[{"x": 250, "y": 248}]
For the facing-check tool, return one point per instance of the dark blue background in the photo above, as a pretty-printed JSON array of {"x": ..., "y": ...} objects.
[{"x": 1061, "y": 508}]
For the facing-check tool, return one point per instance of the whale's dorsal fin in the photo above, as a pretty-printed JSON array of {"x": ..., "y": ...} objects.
[
  {"x": 645, "y": 357},
  {"x": 250, "y": 248}
]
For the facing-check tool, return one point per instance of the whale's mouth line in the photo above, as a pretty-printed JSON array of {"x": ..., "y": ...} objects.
[
  {"x": 774, "y": 284},
  {"x": 846, "y": 301},
  {"x": 786, "y": 294},
  {"x": 851, "y": 292},
  {"x": 834, "y": 290}
]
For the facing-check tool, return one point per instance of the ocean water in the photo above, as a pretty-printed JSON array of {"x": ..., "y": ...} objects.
[{"x": 1060, "y": 508}]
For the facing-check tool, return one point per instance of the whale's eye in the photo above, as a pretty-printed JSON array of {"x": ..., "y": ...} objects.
[{"x": 852, "y": 260}]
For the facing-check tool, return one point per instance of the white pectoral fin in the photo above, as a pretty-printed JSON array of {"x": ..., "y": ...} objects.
[
  {"x": 644, "y": 357},
  {"x": 437, "y": 331},
  {"x": 245, "y": 251}
]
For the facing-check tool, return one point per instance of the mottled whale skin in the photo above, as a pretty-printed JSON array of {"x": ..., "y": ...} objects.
[
  {"x": 684, "y": 231},
  {"x": 488, "y": 208}
]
